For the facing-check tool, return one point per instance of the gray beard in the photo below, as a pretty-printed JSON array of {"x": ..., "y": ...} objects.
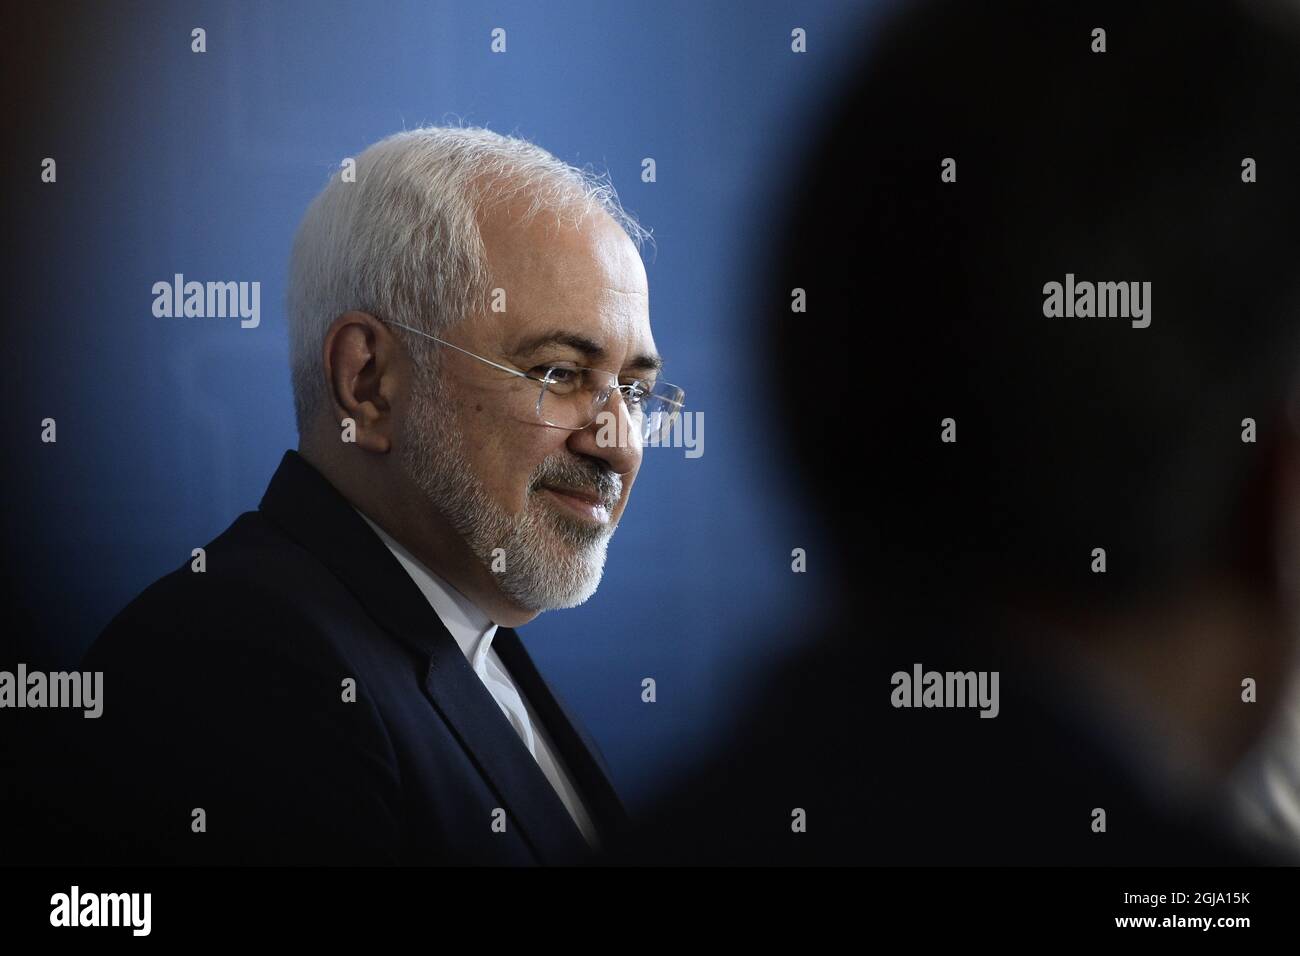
[{"x": 550, "y": 561}]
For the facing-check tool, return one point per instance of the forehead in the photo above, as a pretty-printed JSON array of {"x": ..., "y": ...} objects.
[{"x": 584, "y": 278}]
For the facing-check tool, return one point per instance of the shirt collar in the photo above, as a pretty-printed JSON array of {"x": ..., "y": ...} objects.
[{"x": 471, "y": 628}]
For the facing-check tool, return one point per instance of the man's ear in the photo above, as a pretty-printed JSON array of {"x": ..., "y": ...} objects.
[{"x": 363, "y": 375}]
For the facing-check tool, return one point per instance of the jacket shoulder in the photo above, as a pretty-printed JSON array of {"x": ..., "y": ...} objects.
[
  {"x": 229, "y": 687},
  {"x": 251, "y": 584}
]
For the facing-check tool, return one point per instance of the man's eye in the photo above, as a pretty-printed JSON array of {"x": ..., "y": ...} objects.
[{"x": 558, "y": 374}]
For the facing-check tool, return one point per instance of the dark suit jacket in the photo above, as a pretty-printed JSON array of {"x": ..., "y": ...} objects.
[{"x": 223, "y": 690}]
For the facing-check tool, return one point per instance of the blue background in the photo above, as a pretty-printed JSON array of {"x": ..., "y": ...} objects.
[{"x": 171, "y": 161}]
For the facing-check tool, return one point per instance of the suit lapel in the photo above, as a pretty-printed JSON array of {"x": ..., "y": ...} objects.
[
  {"x": 311, "y": 511},
  {"x": 580, "y": 754},
  {"x": 527, "y": 796}
]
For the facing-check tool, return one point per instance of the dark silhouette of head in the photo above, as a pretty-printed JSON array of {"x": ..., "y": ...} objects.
[{"x": 925, "y": 302}]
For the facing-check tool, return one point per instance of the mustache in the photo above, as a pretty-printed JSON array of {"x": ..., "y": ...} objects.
[{"x": 581, "y": 476}]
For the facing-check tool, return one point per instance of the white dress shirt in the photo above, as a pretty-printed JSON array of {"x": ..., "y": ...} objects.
[{"x": 473, "y": 632}]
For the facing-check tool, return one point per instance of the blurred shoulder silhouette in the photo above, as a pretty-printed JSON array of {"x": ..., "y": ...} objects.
[{"x": 1041, "y": 396}]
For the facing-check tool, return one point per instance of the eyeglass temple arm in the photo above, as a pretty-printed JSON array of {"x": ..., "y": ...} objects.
[{"x": 504, "y": 368}]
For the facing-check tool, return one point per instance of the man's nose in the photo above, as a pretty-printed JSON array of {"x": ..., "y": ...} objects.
[{"x": 614, "y": 436}]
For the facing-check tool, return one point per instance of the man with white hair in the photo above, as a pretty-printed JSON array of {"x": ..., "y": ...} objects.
[{"x": 474, "y": 380}]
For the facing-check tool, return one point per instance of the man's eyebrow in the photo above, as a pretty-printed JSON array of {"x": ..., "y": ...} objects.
[
  {"x": 647, "y": 363},
  {"x": 591, "y": 349},
  {"x": 579, "y": 343}
]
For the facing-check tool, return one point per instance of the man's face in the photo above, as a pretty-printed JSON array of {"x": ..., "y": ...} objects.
[{"x": 472, "y": 440}]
